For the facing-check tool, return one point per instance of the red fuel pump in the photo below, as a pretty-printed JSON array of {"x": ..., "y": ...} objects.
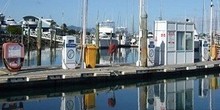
[{"x": 13, "y": 56}]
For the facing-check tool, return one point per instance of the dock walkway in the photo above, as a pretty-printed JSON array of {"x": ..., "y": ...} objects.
[{"x": 55, "y": 75}]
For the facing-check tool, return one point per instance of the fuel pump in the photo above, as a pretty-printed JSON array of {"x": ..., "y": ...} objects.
[
  {"x": 205, "y": 51},
  {"x": 69, "y": 52},
  {"x": 13, "y": 56}
]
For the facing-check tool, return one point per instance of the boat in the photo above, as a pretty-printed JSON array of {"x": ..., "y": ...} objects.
[
  {"x": 107, "y": 34},
  {"x": 11, "y": 22},
  {"x": 122, "y": 35}
]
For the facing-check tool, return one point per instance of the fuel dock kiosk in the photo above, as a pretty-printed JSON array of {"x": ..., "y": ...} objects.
[{"x": 69, "y": 52}]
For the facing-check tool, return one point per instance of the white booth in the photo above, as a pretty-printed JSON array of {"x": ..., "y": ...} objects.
[
  {"x": 174, "y": 42},
  {"x": 69, "y": 52}
]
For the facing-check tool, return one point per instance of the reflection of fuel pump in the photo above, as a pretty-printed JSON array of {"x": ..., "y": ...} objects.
[
  {"x": 69, "y": 52},
  {"x": 13, "y": 56},
  {"x": 67, "y": 103},
  {"x": 13, "y": 106}
]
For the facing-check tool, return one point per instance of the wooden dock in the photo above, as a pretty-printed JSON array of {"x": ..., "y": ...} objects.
[{"x": 55, "y": 76}]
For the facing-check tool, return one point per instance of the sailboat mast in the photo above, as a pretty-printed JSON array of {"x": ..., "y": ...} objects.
[
  {"x": 203, "y": 14},
  {"x": 210, "y": 31},
  {"x": 85, "y": 10},
  {"x": 160, "y": 18},
  {"x": 138, "y": 63}
]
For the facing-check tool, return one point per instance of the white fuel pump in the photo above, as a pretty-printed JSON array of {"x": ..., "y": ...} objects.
[{"x": 69, "y": 52}]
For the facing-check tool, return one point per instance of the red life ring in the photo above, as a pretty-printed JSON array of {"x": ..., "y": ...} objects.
[{"x": 13, "y": 56}]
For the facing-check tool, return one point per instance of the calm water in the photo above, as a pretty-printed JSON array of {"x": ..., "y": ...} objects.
[
  {"x": 195, "y": 93},
  {"x": 192, "y": 94}
]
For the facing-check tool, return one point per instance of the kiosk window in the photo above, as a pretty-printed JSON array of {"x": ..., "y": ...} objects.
[
  {"x": 180, "y": 41},
  {"x": 189, "y": 41}
]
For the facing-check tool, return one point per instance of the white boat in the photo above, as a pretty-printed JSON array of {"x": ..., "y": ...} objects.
[
  {"x": 11, "y": 22},
  {"x": 122, "y": 35},
  {"x": 107, "y": 34}
]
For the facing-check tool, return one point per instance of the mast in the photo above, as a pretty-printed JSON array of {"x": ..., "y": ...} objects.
[
  {"x": 161, "y": 16},
  {"x": 141, "y": 4},
  {"x": 210, "y": 28},
  {"x": 85, "y": 9},
  {"x": 203, "y": 14}
]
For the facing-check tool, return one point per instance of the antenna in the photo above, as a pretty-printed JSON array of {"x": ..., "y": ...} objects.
[
  {"x": 216, "y": 21},
  {"x": 203, "y": 14},
  {"x": 132, "y": 26},
  {"x": 97, "y": 19},
  {"x": 210, "y": 28},
  {"x": 160, "y": 18},
  {"x": 62, "y": 17}
]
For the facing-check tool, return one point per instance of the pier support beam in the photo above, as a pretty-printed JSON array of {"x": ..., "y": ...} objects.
[
  {"x": 143, "y": 42},
  {"x": 142, "y": 45},
  {"x": 39, "y": 35},
  {"x": 97, "y": 43},
  {"x": 28, "y": 44}
]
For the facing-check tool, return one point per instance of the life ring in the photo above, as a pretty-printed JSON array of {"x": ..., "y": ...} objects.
[{"x": 13, "y": 56}]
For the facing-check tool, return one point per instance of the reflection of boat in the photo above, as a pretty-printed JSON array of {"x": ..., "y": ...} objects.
[
  {"x": 107, "y": 34},
  {"x": 121, "y": 56}
]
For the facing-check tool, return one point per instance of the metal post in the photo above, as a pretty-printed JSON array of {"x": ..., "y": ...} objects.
[
  {"x": 28, "y": 44},
  {"x": 55, "y": 38},
  {"x": 51, "y": 36},
  {"x": 97, "y": 44},
  {"x": 138, "y": 63},
  {"x": 97, "y": 35},
  {"x": 22, "y": 34},
  {"x": 85, "y": 8},
  {"x": 210, "y": 31}
]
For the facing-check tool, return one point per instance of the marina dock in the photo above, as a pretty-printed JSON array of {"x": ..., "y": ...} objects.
[{"x": 55, "y": 76}]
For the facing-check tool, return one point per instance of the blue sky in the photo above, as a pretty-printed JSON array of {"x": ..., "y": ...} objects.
[{"x": 120, "y": 11}]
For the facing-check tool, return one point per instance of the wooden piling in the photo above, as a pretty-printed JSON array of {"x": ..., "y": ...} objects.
[
  {"x": 28, "y": 45},
  {"x": 97, "y": 44},
  {"x": 39, "y": 35},
  {"x": 143, "y": 41}
]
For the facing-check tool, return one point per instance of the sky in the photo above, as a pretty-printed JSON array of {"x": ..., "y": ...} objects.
[{"x": 120, "y": 11}]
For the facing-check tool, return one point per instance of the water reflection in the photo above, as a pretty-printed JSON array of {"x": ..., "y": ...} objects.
[
  {"x": 201, "y": 93},
  {"x": 54, "y": 56}
]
